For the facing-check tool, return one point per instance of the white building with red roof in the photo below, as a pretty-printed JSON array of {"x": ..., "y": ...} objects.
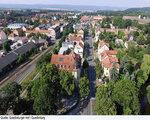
[
  {"x": 102, "y": 46},
  {"x": 107, "y": 58}
]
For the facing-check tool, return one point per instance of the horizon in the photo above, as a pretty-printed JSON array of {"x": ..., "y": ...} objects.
[{"x": 109, "y": 3}]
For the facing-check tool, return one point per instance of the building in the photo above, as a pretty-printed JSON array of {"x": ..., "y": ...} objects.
[
  {"x": 3, "y": 35},
  {"x": 102, "y": 46},
  {"x": 78, "y": 49},
  {"x": 25, "y": 49},
  {"x": 55, "y": 32},
  {"x": 107, "y": 58},
  {"x": 7, "y": 62},
  {"x": 75, "y": 39},
  {"x": 97, "y": 33},
  {"x": 85, "y": 18},
  {"x": 71, "y": 63},
  {"x": 108, "y": 63},
  {"x": 17, "y": 26},
  {"x": 66, "y": 46},
  {"x": 80, "y": 32}
]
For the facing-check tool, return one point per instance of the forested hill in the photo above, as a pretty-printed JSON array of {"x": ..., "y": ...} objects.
[{"x": 144, "y": 11}]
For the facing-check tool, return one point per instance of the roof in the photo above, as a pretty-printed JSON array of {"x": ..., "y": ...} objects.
[
  {"x": 84, "y": 18},
  {"x": 38, "y": 31},
  {"x": 102, "y": 43},
  {"x": 70, "y": 62},
  {"x": 98, "y": 17},
  {"x": 8, "y": 59},
  {"x": 81, "y": 45},
  {"x": 16, "y": 25},
  {"x": 25, "y": 48},
  {"x": 108, "y": 53},
  {"x": 108, "y": 61},
  {"x": 74, "y": 37}
]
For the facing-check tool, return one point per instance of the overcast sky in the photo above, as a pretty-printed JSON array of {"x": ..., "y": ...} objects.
[{"x": 114, "y": 3}]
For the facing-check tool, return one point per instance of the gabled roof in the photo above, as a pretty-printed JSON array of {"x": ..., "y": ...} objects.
[
  {"x": 74, "y": 37},
  {"x": 84, "y": 18},
  {"x": 108, "y": 53},
  {"x": 70, "y": 60},
  {"x": 38, "y": 31},
  {"x": 25, "y": 48},
  {"x": 102, "y": 43},
  {"x": 108, "y": 61},
  {"x": 8, "y": 59}
]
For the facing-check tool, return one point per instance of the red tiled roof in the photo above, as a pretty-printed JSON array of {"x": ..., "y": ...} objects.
[
  {"x": 108, "y": 53},
  {"x": 65, "y": 62},
  {"x": 102, "y": 43},
  {"x": 38, "y": 31},
  {"x": 84, "y": 18},
  {"x": 74, "y": 37},
  {"x": 108, "y": 61},
  {"x": 97, "y": 17}
]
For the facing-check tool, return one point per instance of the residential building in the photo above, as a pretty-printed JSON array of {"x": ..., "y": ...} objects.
[
  {"x": 102, "y": 46},
  {"x": 71, "y": 63},
  {"x": 7, "y": 62},
  {"x": 66, "y": 46},
  {"x": 78, "y": 49},
  {"x": 80, "y": 32},
  {"x": 17, "y": 25},
  {"x": 107, "y": 58}
]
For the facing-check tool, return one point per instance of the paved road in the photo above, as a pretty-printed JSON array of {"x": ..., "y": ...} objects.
[
  {"x": 22, "y": 73},
  {"x": 92, "y": 77}
]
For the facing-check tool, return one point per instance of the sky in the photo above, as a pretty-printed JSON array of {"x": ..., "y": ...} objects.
[{"x": 114, "y": 3}]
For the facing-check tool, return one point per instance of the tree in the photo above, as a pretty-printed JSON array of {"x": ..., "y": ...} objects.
[
  {"x": 125, "y": 94},
  {"x": 84, "y": 87},
  {"x": 148, "y": 93},
  {"x": 7, "y": 31},
  {"x": 121, "y": 34},
  {"x": 67, "y": 82},
  {"x": 45, "y": 59},
  {"x": 21, "y": 58},
  {"x": 114, "y": 74},
  {"x": 140, "y": 80},
  {"x": 104, "y": 104},
  {"x": 126, "y": 66},
  {"x": 95, "y": 45},
  {"x": 98, "y": 69},
  {"x": 46, "y": 91},
  {"x": 6, "y": 46},
  {"x": 56, "y": 50},
  {"x": 9, "y": 95},
  {"x": 44, "y": 103},
  {"x": 146, "y": 66}
]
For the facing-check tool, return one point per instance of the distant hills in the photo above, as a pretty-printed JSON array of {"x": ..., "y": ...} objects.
[
  {"x": 102, "y": 9},
  {"x": 59, "y": 7}
]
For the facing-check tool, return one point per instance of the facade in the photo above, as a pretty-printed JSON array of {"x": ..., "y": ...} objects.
[
  {"x": 80, "y": 32},
  {"x": 102, "y": 46},
  {"x": 107, "y": 58},
  {"x": 78, "y": 49},
  {"x": 3, "y": 35}
]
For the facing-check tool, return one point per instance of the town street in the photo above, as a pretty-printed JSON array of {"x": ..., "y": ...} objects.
[{"x": 85, "y": 108}]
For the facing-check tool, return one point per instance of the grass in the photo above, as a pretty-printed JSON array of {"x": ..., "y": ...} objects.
[{"x": 28, "y": 79}]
